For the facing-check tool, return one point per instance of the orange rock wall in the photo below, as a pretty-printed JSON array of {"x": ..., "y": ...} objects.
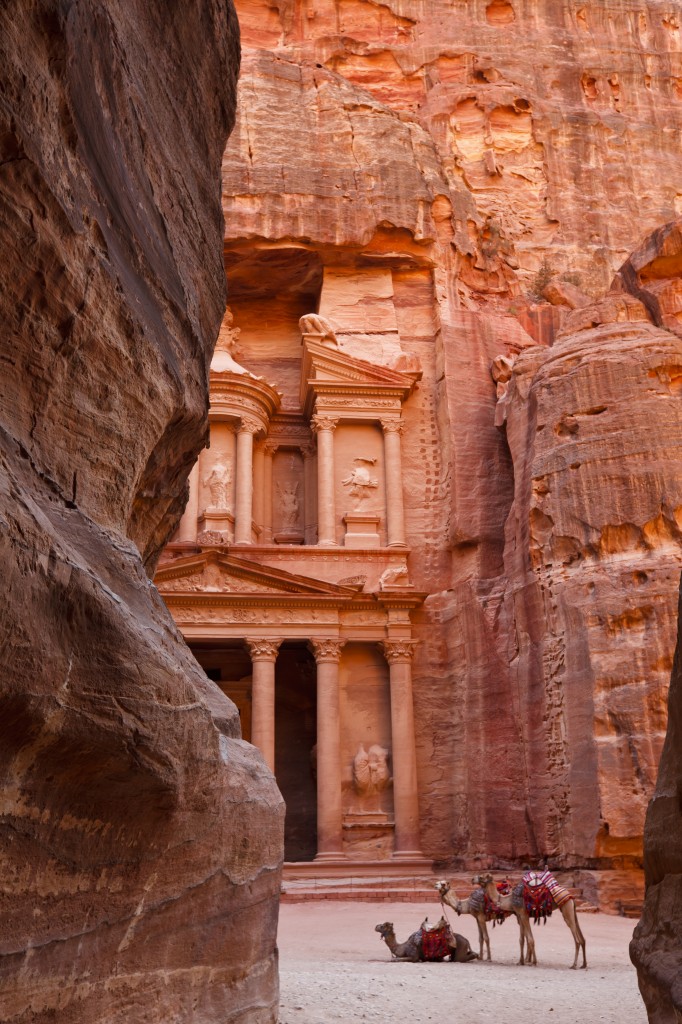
[{"x": 476, "y": 151}]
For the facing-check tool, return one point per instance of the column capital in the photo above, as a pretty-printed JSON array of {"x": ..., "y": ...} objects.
[
  {"x": 327, "y": 650},
  {"x": 249, "y": 426},
  {"x": 262, "y": 650},
  {"x": 321, "y": 422},
  {"x": 392, "y": 426},
  {"x": 270, "y": 447},
  {"x": 398, "y": 650},
  {"x": 308, "y": 451}
]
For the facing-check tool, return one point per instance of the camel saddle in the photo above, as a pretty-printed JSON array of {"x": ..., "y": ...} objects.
[
  {"x": 435, "y": 945},
  {"x": 541, "y": 893}
]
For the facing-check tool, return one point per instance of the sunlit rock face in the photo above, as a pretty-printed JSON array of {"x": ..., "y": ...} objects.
[
  {"x": 498, "y": 161},
  {"x": 141, "y": 838}
]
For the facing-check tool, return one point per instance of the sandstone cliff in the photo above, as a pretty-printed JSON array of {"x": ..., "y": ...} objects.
[
  {"x": 500, "y": 161},
  {"x": 139, "y": 833}
]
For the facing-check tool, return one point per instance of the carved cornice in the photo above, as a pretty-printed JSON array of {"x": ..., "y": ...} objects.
[
  {"x": 263, "y": 650},
  {"x": 398, "y": 650},
  {"x": 327, "y": 650}
]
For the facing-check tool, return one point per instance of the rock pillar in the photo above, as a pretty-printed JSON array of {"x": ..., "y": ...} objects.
[
  {"x": 263, "y": 657},
  {"x": 395, "y": 516},
  {"x": 399, "y": 657},
  {"x": 329, "y": 829},
  {"x": 324, "y": 427},
  {"x": 243, "y": 516}
]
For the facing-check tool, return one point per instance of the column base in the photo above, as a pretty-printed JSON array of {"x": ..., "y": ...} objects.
[
  {"x": 327, "y": 544},
  {"x": 397, "y": 544},
  {"x": 408, "y": 855},
  {"x": 334, "y": 857}
]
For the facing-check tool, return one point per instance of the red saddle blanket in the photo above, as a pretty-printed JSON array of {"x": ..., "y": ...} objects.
[{"x": 435, "y": 944}]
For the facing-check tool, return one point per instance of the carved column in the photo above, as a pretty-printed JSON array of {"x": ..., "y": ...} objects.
[
  {"x": 243, "y": 513},
  {"x": 187, "y": 531},
  {"x": 329, "y": 811},
  {"x": 269, "y": 449},
  {"x": 258, "y": 470},
  {"x": 395, "y": 515},
  {"x": 263, "y": 658},
  {"x": 309, "y": 505},
  {"x": 399, "y": 657},
  {"x": 324, "y": 427}
]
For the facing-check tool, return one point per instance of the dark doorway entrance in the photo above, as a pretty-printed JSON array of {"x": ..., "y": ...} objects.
[
  {"x": 228, "y": 664},
  {"x": 295, "y": 733}
]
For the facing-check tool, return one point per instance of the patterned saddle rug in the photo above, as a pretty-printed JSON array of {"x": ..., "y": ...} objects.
[
  {"x": 435, "y": 945},
  {"x": 542, "y": 893}
]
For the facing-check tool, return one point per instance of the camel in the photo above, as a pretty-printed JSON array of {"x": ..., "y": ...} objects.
[
  {"x": 512, "y": 904},
  {"x": 411, "y": 950},
  {"x": 471, "y": 905},
  {"x": 568, "y": 912}
]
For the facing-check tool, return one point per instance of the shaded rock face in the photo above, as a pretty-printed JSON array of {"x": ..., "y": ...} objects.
[
  {"x": 487, "y": 156},
  {"x": 655, "y": 948},
  {"x": 139, "y": 834}
]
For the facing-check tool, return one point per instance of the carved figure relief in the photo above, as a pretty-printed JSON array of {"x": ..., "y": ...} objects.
[
  {"x": 395, "y": 576},
  {"x": 360, "y": 482},
  {"x": 289, "y": 506},
  {"x": 370, "y": 770},
  {"x": 312, "y": 323},
  {"x": 218, "y": 482}
]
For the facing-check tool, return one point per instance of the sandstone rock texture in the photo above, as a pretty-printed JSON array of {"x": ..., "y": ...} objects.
[
  {"x": 486, "y": 169},
  {"x": 140, "y": 838}
]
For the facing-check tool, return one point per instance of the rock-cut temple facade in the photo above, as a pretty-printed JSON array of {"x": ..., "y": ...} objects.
[{"x": 289, "y": 578}]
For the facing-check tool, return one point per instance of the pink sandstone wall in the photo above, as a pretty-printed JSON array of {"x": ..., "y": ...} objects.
[{"x": 475, "y": 152}]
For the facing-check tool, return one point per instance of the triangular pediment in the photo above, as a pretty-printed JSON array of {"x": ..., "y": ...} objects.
[
  {"x": 214, "y": 572},
  {"x": 334, "y": 364}
]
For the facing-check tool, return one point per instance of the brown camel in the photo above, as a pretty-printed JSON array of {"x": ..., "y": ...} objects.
[
  {"x": 569, "y": 914},
  {"x": 474, "y": 905},
  {"x": 512, "y": 903},
  {"x": 411, "y": 950}
]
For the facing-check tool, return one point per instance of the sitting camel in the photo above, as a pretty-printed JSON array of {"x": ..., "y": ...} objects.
[
  {"x": 474, "y": 904},
  {"x": 412, "y": 951},
  {"x": 512, "y": 903}
]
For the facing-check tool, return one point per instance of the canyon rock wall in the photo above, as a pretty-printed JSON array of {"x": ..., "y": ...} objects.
[
  {"x": 140, "y": 838},
  {"x": 497, "y": 162}
]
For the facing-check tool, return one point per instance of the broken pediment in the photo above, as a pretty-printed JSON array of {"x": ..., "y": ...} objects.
[{"x": 328, "y": 370}]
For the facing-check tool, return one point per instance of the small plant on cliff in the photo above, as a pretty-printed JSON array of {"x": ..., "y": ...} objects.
[{"x": 541, "y": 280}]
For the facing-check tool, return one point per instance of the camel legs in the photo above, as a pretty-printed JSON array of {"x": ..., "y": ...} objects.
[
  {"x": 526, "y": 934},
  {"x": 483, "y": 937},
  {"x": 570, "y": 916}
]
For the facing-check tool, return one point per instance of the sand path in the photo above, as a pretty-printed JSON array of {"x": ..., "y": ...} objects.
[{"x": 334, "y": 969}]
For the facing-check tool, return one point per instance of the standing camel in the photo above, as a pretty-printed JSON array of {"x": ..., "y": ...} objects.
[
  {"x": 562, "y": 899},
  {"x": 512, "y": 903},
  {"x": 474, "y": 904}
]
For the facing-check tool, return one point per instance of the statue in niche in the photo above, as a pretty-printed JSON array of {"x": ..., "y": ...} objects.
[
  {"x": 218, "y": 482},
  {"x": 370, "y": 770},
  {"x": 289, "y": 504},
  {"x": 360, "y": 482}
]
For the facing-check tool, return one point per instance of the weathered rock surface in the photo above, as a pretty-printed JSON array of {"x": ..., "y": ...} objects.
[
  {"x": 140, "y": 838},
  {"x": 488, "y": 157}
]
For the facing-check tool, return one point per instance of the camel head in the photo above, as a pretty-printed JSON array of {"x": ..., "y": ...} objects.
[
  {"x": 442, "y": 887},
  {"x": 482, "y": 880},
  {"x": 384, "y": 929}
]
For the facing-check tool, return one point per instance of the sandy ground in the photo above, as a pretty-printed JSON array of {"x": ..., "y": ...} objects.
[{"x": 334, "y": 969}]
